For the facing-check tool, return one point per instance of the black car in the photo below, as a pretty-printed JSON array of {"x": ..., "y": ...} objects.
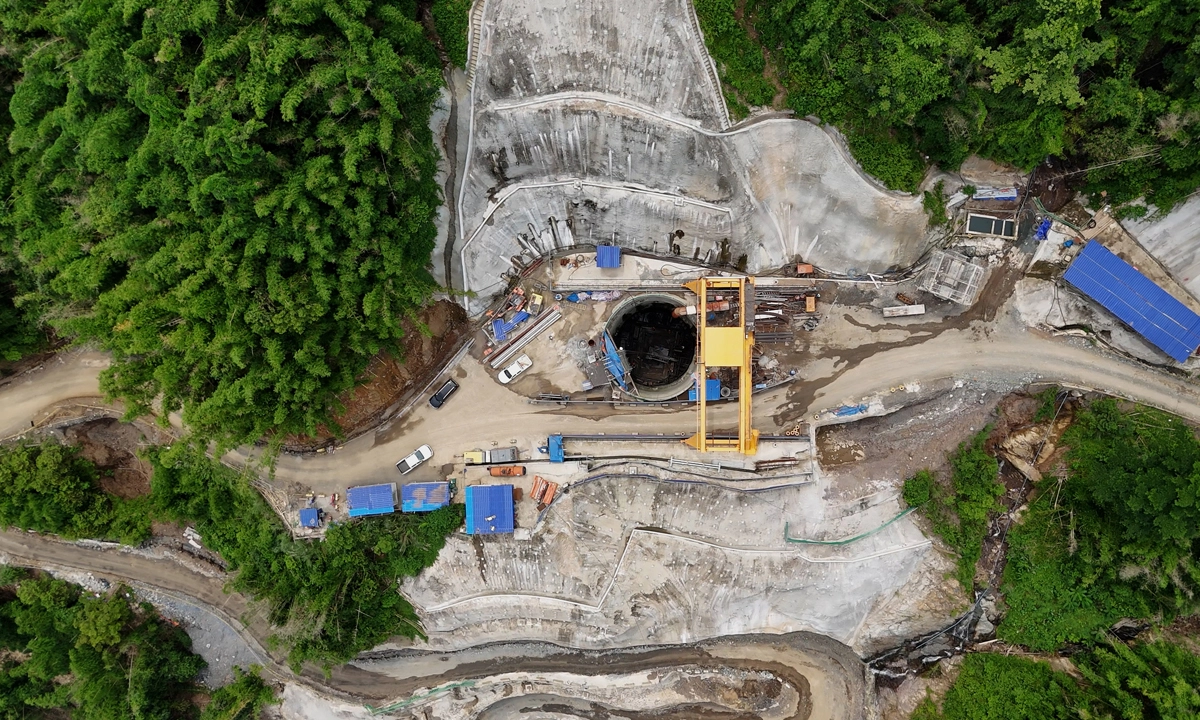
[{"x": 443, "y": 394}]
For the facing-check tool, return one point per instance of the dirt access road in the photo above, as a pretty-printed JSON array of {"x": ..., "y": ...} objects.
[
  {"x": 838, "y": 681},
  {"x": 484, "y": 413}
]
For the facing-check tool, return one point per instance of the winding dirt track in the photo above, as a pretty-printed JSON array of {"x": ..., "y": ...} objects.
[{"x": 1006, "y": 356}]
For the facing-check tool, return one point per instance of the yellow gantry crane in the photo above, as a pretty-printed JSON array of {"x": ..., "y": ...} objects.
[{"x": 725, "y": 346}]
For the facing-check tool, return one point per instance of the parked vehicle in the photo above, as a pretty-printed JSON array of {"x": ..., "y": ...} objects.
[
  {"x": 443, "y": 394},
  {"x": 507, "y": 470},
  {"x": 520, "y": 365},
  {"x": 483, "y": 457},
  {"x": 419, "y": 456}
]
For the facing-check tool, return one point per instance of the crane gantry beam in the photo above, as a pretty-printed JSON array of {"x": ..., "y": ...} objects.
[{"x": 725, "y": 346}]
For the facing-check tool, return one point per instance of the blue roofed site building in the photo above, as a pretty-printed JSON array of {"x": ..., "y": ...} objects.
[
  {"x": 1139, "y": 303},
  {"x": 424, "y": 497},
  {"x": 371, "y": 500},
  {"x": 490, "y": 509}
]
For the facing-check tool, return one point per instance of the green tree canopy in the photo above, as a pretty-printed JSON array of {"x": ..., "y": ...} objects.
[{"x": 234, "y": 198}]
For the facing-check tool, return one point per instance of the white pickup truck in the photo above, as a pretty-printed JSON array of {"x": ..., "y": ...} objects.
[{"x": 419, "y": 456}]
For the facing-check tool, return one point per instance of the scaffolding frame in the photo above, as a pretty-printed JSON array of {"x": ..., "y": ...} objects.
[
  {"x": 725, "y": 347},
  {"x": 951, "y": 276}
]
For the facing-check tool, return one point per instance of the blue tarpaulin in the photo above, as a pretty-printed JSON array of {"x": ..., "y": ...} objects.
[
  {"x": 555, "y": 445},
  {"x": 1136, "y": 300},
  {"x": 424, "y": 497},
  {"x": 608, "y": 256},
  {"x": 501, "y": 329},
  {"x": 371, "y": 500},
  {"x": 489, "y": 509},
  {"x": 712, "y": 390},
  {"x": 309, "y": 517}
]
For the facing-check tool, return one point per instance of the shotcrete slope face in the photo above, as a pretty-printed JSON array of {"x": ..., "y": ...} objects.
[
  {"x": 626, "y": 561},
  {"x": 602, "y": 121}
]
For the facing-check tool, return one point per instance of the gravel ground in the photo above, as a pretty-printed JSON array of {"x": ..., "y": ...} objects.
[{"x": 212, "y": 639}]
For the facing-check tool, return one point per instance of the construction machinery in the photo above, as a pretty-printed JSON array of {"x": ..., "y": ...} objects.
[{"x": 725, "y": 343}]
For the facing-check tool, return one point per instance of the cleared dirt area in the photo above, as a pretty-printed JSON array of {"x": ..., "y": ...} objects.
[
  {"x": 113, "y": 445},
  {"x": 388, "y": 382}
]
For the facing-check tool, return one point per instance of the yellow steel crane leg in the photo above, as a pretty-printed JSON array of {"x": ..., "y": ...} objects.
[{"x": 725, "y": 347}]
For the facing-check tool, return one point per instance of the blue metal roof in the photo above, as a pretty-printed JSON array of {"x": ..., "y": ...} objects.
[
  {"x": 489, "y": 509},
  {"x": 1136, "y": 300},
  {"x": 608, "y": 256},
  {"x": 309, "y": 517},
  {"x": 502, "y": 329},
  {"x": 371, "y": 500},
  {"x": 424, "y": 497}
]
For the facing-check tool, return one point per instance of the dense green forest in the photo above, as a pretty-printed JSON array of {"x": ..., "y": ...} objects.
[
  {"x": 1110, "y": 86},
  {"x": 330, "y": 599},
  {"x": 1159, "y": 680},
  {"x": 1118, "y": 537},
  {"x": 234, "y": 198},
  {"x": 102, "y": 658}
]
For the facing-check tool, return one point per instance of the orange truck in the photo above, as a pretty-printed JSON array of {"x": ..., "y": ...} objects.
[{"x": 507, "y": 470}]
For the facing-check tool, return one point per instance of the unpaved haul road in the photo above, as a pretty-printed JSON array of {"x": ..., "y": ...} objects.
[
  {"x": 834, "y": 683},
  {"x": 1007, "y": 356}
]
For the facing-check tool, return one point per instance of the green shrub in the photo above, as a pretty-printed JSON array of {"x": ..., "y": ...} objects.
[
  {"x": 918, "y": 489},
  {"x": 891, "y": 160},
  {"x": 934, "y": 202},
  {"x": 1127, "y": 682},
  {"x": 49, "y": 488},
  {"x": 1116, "y": 540},
  {"x": 452, "y": 19},
  {"x": 243, "y": 699},
  {"x": 93, "y": 658},
  {"x": 739, "y": 59},
  {"x": 960, "y": 517},
  {"x": 1048, "y": 405}
]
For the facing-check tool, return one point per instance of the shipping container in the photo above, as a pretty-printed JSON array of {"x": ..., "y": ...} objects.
[
  {"x": 507, "y": 470},
  {"x": 551, "y": 491},
  {"x": 483, "y": 457},
  {"x": 810, "y": 304},
  {"x": 902, "y": 310},
  {"x": 539, "y": 488},
  {"x": 804, "y": 269}
]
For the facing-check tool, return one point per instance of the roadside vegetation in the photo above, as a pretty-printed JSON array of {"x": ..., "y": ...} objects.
[
  {"x": 329, "y": 600},
  {"x": 236, "y": 200},
  {"x": 1117, "y": 538},
  {"x": 1107, "y": 85},
  {"x": 958, "y": 511},
  {"x": 64, "y": 653},
  {"x": 452, "y": 20},
  {"x": 1116, "y": 682},
  {"x": 49, "y": 488}
]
